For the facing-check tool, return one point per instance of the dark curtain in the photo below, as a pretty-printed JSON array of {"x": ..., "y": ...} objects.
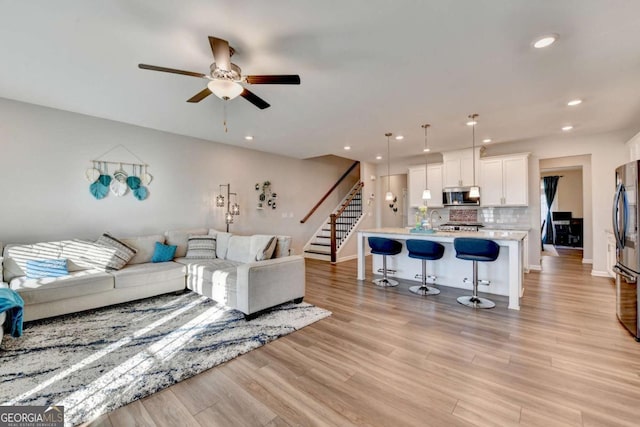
[{"x": 550, "y": 188}]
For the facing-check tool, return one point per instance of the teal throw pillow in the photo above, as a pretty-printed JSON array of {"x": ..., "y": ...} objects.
[
  {"x": 41, "y": 268},
  {"x": 163, "y": 253}
]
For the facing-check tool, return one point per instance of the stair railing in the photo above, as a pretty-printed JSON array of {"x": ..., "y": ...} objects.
[
  {"x": 344, "y": 175},
  {"x": 346, "y": 206}
]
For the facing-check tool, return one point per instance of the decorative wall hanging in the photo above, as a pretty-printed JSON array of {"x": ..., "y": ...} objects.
[
  {"x": 267, "y": 198},
  {"x": 119, "y": 184}
]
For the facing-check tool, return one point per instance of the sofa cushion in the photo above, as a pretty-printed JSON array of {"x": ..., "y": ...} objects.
[
  {"x": 16, "y": 256},
  {"x": 122, "y": 252},
  {"x": 262, "y": 246},
  {"x": 215, "y": 279},
  {"x": 145, "y": 274},
  {"x": 179, "y": 238},
  {"x": 240, "y": 249},
  {"x": 40, "y": 268},
  {"x": 77, "y": 283},
  {"x": 222, "y": 244},
  {"x": 163, "y": 253},
  {"x": 144, "y": 245},
  {"x": 201, "y": 247},
  {"x": 283, "y": 247}
]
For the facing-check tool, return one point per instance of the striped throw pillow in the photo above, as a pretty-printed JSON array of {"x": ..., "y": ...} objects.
[
  {"x": 201, "y": 247},
  {"x": 41, "y": 268},
  {"x": 121, "y": 252}
]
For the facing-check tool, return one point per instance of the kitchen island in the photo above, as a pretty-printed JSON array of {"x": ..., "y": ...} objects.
[{"x": 505, "y": 274}]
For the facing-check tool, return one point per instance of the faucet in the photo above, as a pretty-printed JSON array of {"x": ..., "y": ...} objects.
[{"x": 434, "y": 211}]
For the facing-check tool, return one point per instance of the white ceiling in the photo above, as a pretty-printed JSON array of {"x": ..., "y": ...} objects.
[{"x": 367, "y": 67}]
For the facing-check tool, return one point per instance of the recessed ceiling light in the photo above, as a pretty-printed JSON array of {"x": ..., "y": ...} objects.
[
  {"x": 567, "y": 128},
  {"x": 471, "y": 123},
  {"x": 347, "y": 147},
  {"x": 426, "y": 150},
  {"x": 399, "y": 137},
  {"x": 486, "y": 140},
  {"x": 545, "y": 41},
  {"x": 574, "y": 102},
  {"x": 378, "y": 157},
  {"x": 248, "y": 138}
]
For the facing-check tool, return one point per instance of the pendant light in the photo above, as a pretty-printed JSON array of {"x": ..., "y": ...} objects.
[
  {"x": 474, "y": 191},
  {"x": 426, "y": 194},
  {"x": 389, "y": 196}
]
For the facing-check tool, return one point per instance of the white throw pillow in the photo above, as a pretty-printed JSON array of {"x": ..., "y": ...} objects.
[
  {"x": 222, "y": 244},
  {"x": 262, "y": 246},
  {"x": 283, "y": 247}
]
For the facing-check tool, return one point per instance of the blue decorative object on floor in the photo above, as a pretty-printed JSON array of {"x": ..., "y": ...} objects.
[
  {"x": 12, "y": 303},
  {"x": 97, "y": 361}
]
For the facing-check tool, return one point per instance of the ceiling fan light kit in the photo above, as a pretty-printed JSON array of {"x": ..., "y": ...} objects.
[{"x": 226, "y": 77}]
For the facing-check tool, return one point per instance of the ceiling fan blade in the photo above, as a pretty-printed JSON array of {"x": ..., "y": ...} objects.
[
  {"x": 221, "y": 53},
  {"x": 255, "y": 99},
  {"x": 171, "y": 70},
  {"x": 285, "y": 79},
  {"x": 200, "y": 95}
]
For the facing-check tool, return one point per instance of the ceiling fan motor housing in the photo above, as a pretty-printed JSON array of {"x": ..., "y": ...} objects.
[{"x": 235, "y": 74}]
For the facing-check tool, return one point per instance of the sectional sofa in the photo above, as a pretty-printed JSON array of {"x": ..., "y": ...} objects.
[{"x": 247, "y": 273}]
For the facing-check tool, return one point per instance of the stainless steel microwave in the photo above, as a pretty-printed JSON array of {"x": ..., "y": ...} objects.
[{"x": 458, "y": 196}]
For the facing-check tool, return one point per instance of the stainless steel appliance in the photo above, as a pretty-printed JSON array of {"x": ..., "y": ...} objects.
[
  {"x": 460, "y": 226},
  {"x": 458, "y": 196},
  {"x": 625, "y": 230}
]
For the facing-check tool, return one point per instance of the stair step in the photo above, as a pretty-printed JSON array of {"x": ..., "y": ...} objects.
[
  {"x": 312, "y": 251},
  {"x": 321, "y": 244}
]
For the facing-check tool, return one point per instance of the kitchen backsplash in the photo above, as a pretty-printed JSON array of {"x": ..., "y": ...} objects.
[{"x": 491, "y": 217}]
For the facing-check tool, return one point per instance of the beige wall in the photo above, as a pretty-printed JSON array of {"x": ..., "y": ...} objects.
[{"x": 45, "y": 195}]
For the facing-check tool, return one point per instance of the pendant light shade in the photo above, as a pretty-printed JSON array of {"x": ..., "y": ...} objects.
[
  {"x": 474, "y": 191},
  {"x": 426, "y": 194},
  {"x": 389, "y": 196}
]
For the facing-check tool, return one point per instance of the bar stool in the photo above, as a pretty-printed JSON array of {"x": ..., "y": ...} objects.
[
  {"x": 384, "y": 247},
  {"x": 476, "y": 250},
  {"x": 424, "y": 250}
]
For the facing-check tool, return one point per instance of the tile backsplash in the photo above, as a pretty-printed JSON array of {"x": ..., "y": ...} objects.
[{"x": 517, "y": 218}]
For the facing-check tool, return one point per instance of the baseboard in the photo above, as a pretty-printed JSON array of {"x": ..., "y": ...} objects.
[
  {"x": 587, "y": 261},
  {"x": 599, "y": 273},
  {"x": 347, "y": 258},
  {"x": 535, "y": 267}
]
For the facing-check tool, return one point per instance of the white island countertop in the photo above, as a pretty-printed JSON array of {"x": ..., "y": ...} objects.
[{"x": 506, "y": 273}]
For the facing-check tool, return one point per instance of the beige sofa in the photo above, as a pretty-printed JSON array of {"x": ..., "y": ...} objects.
[{"x": 239, "y": 281}]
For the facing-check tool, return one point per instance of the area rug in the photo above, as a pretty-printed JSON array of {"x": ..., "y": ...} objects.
[{"x": 94, "y": 362}]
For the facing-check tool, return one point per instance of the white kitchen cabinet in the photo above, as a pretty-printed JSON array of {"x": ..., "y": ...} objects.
[
  {"x": 416, "y": 185},
  {"x": 504, "y": 180},
  {"x": 458, "y": 167}
]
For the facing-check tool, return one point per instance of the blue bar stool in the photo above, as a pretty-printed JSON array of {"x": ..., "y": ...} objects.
[
  {"x": 384, "y": 247},
  {"x": 424, "y": 250},
  {"x": 476, "y": 250}
]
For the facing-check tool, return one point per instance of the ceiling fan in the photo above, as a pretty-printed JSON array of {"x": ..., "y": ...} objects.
[{"x": 225, "y": 77}]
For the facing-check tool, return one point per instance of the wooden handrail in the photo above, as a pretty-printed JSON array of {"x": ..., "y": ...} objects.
[
  {"x": 346, "y": 202},
  {"x": 344, "y": 175}
]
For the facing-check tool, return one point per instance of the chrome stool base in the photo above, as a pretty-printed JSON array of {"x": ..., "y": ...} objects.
[
  {"x": 424, "y": 290},
  {"x": 385, "y": 282},
  {"x": 476, "y": 302}
]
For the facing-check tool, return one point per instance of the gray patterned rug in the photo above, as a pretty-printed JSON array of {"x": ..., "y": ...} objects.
[{"x": 95, "y": 362}]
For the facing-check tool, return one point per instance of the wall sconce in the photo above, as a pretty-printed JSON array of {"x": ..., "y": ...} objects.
[{"x": 232, "y": 209}]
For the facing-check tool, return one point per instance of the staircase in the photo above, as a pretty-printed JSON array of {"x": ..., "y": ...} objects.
[{"x": 338, "y": 225}]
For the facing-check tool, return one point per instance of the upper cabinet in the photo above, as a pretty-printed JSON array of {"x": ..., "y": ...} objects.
[
  {"x": 458, "y": 167},
  {"x": 504, "y": 180},
  {"x": 416, "y": 185}
]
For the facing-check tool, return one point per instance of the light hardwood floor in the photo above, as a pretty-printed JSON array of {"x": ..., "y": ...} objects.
[{"x": 387, "y": 357}]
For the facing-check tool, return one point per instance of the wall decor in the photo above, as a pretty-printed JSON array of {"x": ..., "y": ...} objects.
[
  {"x": 102, "y": 183},
  {"x": 266, "y": 198},
  {"x": 232, "y": 209}
]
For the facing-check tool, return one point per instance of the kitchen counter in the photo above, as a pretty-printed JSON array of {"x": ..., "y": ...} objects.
[{"x": 505, "y": 274}]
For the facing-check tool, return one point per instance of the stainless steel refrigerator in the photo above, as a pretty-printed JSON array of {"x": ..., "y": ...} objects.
[{"x": 625, "y": 230}]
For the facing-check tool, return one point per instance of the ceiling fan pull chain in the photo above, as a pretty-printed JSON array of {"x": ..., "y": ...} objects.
[{"x": 224, "y": 106}]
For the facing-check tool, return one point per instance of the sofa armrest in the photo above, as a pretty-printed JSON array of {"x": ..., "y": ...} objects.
[{"x": 265, "y": 284}]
